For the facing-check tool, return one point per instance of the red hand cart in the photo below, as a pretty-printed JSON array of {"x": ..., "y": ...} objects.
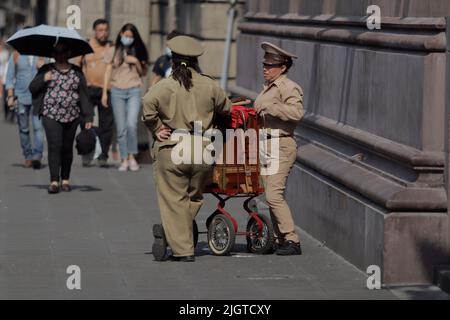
[{"x": 235, "y": 180}]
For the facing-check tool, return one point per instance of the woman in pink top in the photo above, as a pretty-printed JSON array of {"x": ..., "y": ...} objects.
[{"x": 127, "y": 64}]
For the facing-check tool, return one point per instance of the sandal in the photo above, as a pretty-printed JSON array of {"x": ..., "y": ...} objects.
[{"x": 53, "y": 189}]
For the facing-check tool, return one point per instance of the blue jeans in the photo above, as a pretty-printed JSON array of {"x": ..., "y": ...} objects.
[
  {"x": 30, "y": 151},
  {"x": 126, "y": 104}
]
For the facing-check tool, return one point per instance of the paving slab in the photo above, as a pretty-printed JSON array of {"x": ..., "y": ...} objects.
[{"x": 104, "y": 227}]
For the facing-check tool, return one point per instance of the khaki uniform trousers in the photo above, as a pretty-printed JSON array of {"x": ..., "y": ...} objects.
[
  {"x": 180, "y": 196},
  {"x": 275, "y": 185}
]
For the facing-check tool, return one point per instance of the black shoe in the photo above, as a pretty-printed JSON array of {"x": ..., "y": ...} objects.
[
  {"x": 103, "y": 161},
  {"x": 37, "y": 165},
  {"x": 160, "y": 244},
  {"x": 274, "y": 248},
  {"x": 290, "y": 248},
  {"x": 189, "y": 259},
  {"x": 53, "y": 189},
  {"x": 87, "y": 164}
]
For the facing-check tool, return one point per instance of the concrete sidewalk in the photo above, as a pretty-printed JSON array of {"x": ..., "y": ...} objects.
[{"x": 104, "y": 227}]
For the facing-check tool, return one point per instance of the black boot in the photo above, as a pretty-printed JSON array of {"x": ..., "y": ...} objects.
[
  {"x": 37, "y": 165},
  {"x": 160, "y": 244},
  {"x": 290, "y": 248},
  {"x": 183, "y": 259}
]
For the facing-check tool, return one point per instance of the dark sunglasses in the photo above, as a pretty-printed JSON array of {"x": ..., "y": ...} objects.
[{"x": 270, "y": 66}]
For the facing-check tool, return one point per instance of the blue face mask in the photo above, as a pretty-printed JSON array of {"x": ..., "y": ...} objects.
[
  {"x": 127, "y": 41},
  {"x": 168, "y": 52}
]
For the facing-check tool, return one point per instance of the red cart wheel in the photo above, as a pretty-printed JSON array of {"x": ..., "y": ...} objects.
[
  {"x": 260, "y": 242},
  {"x": 221, "y": 235}
]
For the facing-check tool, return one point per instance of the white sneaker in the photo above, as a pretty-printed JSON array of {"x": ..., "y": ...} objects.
[
  {"x": 124, "y": 166},
  {"x": 134, "y": 166}
]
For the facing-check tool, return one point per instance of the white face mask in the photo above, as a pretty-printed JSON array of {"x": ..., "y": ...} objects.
[
  {"x": 127, "y": 41},
  {"x": 168, "y": 52}
]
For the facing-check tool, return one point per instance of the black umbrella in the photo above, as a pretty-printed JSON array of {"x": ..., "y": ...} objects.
[{"x": 40, "y": 41}]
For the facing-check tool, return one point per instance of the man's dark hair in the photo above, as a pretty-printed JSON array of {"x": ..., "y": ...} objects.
[
  {"x": 289, "y": 63},
  {"x": 99, "y": 22},
  {"x": 173, "y": 34}
]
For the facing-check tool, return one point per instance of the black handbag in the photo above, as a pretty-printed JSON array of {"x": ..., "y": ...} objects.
[{"x": 86, "y": 142}]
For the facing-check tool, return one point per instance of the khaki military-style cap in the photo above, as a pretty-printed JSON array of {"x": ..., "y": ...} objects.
[
  {"x": 276, "y": 55},
  {"x": 186, "y": 46}
]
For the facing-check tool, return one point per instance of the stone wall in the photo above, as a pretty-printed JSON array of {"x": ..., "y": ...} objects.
[
  {"x": 369, "y": 180},
  {"x": 205, "y": 20},
  {"x": 136, "y": 11},
  {"x": 389, "y": 8},
  {"x": 14, "y": 15}
]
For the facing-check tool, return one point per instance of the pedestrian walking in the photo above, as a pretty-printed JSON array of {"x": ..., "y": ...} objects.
[
  {"x": 172, "y": 104},
  {"x": 280, "y": 106},
  {"x": 127, "y": 64},
  {"x": 21, "y": 71},
  {"x": 94, "y": 67},
  {"x": 60, "y": 97},
  {"x": 163, "y": 65},
  {"x": 4, "y": 58}
]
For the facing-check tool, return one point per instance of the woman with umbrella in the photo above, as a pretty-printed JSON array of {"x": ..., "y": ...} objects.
[
  {"x": 60, "y": 97},
  {"x": 59, "y": 93}
]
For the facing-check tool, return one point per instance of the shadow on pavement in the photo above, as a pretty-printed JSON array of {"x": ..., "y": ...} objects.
[
  {"x": 74, "y": 188},
  {"x": 202, "y": 250},
  {"x": 19, "y": 165}
]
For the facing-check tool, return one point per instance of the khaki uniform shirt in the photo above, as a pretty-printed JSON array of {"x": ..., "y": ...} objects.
[
  {"x": 282, "y": 102},
  {"x": 123, "y": 76},
  {"x": 169, "y": 103}
]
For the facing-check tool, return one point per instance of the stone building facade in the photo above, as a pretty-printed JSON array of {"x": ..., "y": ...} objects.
[
  {"x": 370, "y": 180},
  {"x": 15, "y": 14}
]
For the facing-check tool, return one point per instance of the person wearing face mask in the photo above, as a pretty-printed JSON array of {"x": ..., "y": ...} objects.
[
  {"x": 61, "y": 99},
  {"x": 126, "y": 65},
  {"x": 163, "y": 66},
  {"x": 280, "y": 106}
]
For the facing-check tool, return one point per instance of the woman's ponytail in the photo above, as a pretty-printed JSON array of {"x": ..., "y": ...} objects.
[{"x": 181, "y": 71}]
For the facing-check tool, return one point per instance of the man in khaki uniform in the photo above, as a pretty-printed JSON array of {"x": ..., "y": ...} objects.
[
  {"x": 280, "y": 106},
  {"x": 173, "y": 104}
]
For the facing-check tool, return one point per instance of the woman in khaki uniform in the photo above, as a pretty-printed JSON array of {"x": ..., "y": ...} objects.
[
  {"x": 174, "y": 104},
  {"x": 280, "y": 106}
]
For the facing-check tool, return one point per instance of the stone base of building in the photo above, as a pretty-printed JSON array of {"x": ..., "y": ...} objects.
[{"x": 406, "y": 246}]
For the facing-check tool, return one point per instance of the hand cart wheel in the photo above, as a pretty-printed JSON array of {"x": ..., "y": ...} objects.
[
  {"x": 260, "y": 242},
  {"x": 221, "y": 235}
]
